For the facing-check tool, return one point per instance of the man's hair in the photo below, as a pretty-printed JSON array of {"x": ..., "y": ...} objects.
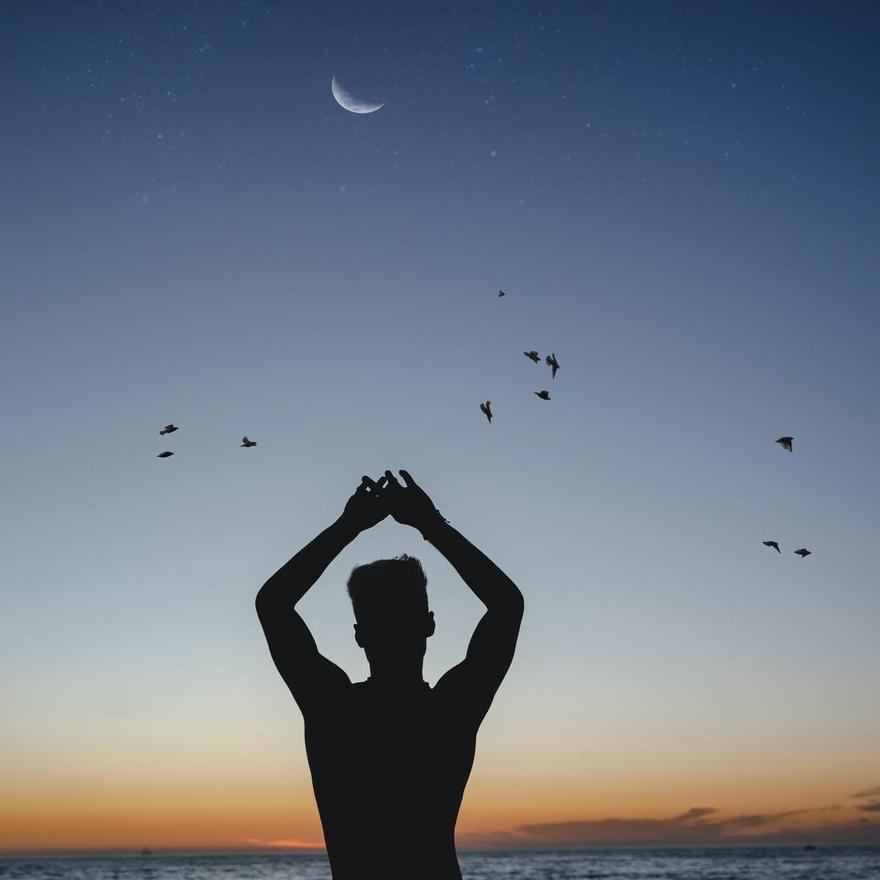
[{"x": 388, "y": 587}]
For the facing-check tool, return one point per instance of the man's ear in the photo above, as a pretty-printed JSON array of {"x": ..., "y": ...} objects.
[
  {"x": 357, "y": 636},
  {"x": 429, "y": 630}
]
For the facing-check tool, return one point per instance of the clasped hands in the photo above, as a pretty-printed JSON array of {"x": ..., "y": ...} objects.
[{"x": 373, "y": 500}]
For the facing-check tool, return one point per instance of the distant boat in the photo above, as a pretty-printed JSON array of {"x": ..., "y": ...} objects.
[
  {"x": 146, "y": 851},
  {"x": 809, "y": 847}
]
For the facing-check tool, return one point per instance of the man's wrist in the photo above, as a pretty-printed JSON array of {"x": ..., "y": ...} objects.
[
  {"x": 346, "y": 528},
  {"x": 433, "y": 526}
]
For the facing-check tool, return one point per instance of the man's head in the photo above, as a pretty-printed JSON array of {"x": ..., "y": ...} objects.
[{"x": 391, "y": 607}]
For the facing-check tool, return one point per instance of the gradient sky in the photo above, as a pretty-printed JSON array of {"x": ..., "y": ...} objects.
[{"x": 680, "y": 200}]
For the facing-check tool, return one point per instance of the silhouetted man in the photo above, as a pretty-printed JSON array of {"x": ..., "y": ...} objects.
[{"x": 390, "y": 756}]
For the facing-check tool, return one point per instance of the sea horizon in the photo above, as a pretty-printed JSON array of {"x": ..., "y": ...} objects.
[
  {"x": 608, "y": 863},
  {"x": 136, "y": 853}
]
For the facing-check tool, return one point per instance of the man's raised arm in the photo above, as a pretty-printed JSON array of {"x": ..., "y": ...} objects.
[
  {"x": 492, "y": 645},
  {"x": 306, "y": 672}
]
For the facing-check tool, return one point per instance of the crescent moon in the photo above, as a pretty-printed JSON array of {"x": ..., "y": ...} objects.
[{"x": 349, "y": 102}]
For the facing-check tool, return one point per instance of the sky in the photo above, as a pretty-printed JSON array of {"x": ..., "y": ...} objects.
[{"x": 679, "y": 201}]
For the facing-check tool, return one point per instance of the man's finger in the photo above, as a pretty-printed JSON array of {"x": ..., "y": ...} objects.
[
  {"x": 407, "y": 478},
  {"x": 382, "y": 482},
  {"x": 392, "y": 480},
  {"x": 367, "y": 483}
]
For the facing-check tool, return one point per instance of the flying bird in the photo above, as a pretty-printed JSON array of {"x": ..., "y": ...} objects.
[
  {"x": 772, "y": 544},
  {"x": 544, "y": 395},
  {"x": 803, "y": 552},
  {"x": 551, "y": 362},
  {"x": 785, "y": 443},
  {"x": 532, "y": 356},
  {"x": 486, "y": 410},
  {"x": 169, "y": 429},
  {"x": 248, "y": 443},
  {"x": 165, "y": 454},
  {"x": 501, "y": 293}
]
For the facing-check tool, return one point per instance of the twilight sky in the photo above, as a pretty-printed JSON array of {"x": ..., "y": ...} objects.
[{"x": 680, "y": 200}]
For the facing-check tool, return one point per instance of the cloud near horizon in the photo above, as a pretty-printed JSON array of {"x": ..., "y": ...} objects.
[
  {"x": 284, "y": 843},
  {"x": 873, "y": 805},
  {"x": 698, "y": 826},
  {"x": 695, "y": 813}
]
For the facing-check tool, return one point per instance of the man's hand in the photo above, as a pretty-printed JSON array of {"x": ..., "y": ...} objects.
[
  {"x": 410, "y": 504},
  {"x": 367, "y": 507}
]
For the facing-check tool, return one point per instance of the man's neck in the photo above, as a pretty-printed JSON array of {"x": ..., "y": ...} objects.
[{"x": 396, "y": 676}]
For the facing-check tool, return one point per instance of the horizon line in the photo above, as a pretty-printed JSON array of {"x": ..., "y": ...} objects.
[{"x": 133, "y": 853}]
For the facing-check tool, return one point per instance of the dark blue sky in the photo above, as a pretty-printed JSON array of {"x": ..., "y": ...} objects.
[{"x": 680, "y": 200}]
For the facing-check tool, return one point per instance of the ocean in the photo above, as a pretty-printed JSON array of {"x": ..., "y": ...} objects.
[{"x": 606, "y": 864}]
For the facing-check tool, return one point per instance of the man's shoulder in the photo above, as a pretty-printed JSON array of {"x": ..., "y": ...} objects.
[{"x": 324, "y": 702}]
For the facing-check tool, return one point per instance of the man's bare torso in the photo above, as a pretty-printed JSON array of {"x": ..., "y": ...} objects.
[{"x": 389, "y": 768}]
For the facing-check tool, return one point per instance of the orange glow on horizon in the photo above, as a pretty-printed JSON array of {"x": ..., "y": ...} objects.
[
  {"x": 232, "y": 824},
  {"x": 253, "y": 804}
]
